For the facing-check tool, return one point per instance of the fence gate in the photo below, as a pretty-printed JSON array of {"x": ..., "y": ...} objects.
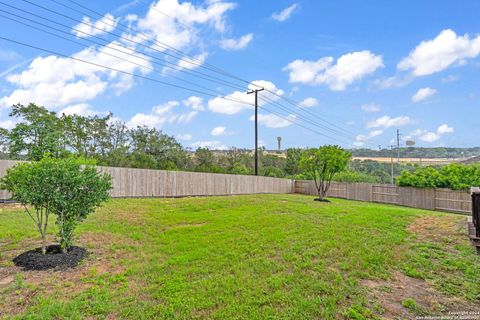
[{"x": 474, "y": 226}]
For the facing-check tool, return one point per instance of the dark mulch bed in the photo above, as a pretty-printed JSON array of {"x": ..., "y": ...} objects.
[{"x": 53, "y": 259}]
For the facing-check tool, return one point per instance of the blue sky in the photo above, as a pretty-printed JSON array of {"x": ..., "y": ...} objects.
[{"x": 357, "y": 70}]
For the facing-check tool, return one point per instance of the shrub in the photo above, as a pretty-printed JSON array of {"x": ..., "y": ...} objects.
[
  {"x": 57, "y": 186},
  {"x": 354, "y": 176},
  {"x": 454, "y": 176},
  {"x": 322, "y": 164}
]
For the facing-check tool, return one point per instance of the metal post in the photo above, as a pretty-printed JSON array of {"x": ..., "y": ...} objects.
[
  {"x": 256, "y": 127},
  {"x": 474, "y": 226},
  {"x": 398, "y": 145}
]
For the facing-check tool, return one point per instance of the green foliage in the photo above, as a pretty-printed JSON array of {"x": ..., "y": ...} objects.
[
  {"x": 57, "y": 186},
  {"x": 292, "y": 162},
  {"x": 264, "y": 256},
  {"x": 322, "y": 164},
  {"x": 39, "y": 133},
  {"x": 354, "y": 176},
  {"x": 454, "y": 176},
  {"x": 273, "y": 172},
  {"x": 419, "y": 152}
]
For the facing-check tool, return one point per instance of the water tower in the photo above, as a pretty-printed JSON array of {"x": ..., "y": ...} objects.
[{"x": 279, "y": 140}]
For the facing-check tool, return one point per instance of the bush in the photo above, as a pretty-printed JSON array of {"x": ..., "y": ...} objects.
[
  {"x": 354, "y": 176},
  {"x": 322, "y": 164},
  {"x": 57, "y": 186},
  {"x": 454, "y": 176}
]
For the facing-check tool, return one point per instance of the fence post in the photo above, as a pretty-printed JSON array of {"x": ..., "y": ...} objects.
[{"x": 474, "y": 226}]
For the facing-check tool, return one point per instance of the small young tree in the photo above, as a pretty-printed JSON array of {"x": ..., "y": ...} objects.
[
  {"x": 321, "y": 165},
  {"x": 57, "y": 186}
]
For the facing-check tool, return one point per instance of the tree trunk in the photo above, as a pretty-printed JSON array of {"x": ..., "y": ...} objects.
[
  {"x": 44, "y": 243},
  {"x": 320, "y": 194}
]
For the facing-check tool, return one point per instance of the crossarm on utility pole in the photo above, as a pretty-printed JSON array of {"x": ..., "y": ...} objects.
[{"x": 256, "y": 126}]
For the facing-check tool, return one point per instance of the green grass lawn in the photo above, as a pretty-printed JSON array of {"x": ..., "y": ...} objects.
[{"x": 247, "y": 257}]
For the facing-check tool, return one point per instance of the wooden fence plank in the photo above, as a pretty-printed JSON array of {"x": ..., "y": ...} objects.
[{"x": 430, "y": 199}]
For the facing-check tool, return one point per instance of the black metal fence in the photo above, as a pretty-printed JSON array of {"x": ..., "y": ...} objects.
[{"x": 474, "y": 226}]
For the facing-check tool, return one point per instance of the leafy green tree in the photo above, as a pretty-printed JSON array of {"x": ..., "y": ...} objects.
[
  {"x": 292, "y": 161},
  {"x": 39, "y": 132},
  {"x": 322, "y": 164},
  {"x": 166, "y": 150},
  {"x": 204, "y": 160},
  {"x": 273, "y": 172},
  {"x": 454, "y": 176},
  {"x": 57, "y": 186}
]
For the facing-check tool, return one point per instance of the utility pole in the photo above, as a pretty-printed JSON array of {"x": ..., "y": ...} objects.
[
  {"x": 391, "y": 164},
  {"x": 398, "y": 145},
  {"x": 256, "y": 126}
]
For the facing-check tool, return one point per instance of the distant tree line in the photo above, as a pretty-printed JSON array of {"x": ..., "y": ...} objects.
[
  {"x": 416, "y": 152},
  {"x": 104, "y": 140}
]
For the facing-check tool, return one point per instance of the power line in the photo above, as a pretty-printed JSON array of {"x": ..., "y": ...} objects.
[
  {"x": 121, "y": 71},
  {"x": 163, "y": 62},
  {"x": 308, "y": 120},
  {"x": 297, "y": 105},
  {"x": 159, "y": 43},
  {"x": 212, "y": 67},
  {"x": 102, "y": 52},
  {"x": 137, "y": 56},
  {"x": 151, "y": 79}
]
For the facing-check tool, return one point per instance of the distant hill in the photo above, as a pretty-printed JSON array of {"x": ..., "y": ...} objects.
[{"x": 413, "y": 152}]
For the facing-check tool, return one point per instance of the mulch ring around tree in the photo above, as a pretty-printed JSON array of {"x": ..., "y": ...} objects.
[
  {"x": 321, "y": 200},
  {"x": 53, "y": 259}
]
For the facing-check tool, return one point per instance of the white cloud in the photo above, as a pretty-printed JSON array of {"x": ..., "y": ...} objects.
[
  {"x": 396, "y": 81},
  {"x": 236, "y": 44},
  {"x": 181, "y": 31},
  {"x": 423, "y": 93},
  {"x": 429, "y": 137},
  {"x": 184, "y": 137},
  {"x": 194, "y": 102},
  {"x": 212, "y": 145},
  {"x": 185, "y": 117},
  {"x": 444, "y": 128},
  {"x": 349, "y": 68},
  {"x": 360, "y": 139},
  {"x": 190, "y": 63},
  {"x": 450, "y": 78},
  {"x": 8, "y": 123},
  {"x": 8, "y": 55},
  {"x": 308, "y": 103},
  {"x": 88, "y": 28},
  {"x": 82, "y": 109},
  {"x": 161, "y": 114},
  {"x": 220, "y": 131},
  {"x": 387, "y": 122},
  {"x": 371, "y": 107},
  {"x": 274, "y": 121},
  {"x": 435, "y": 55},
  {"x": 57, "y": 82},
  {"x": 285, "y": 13},
  {"x": 244, "y": 101}
]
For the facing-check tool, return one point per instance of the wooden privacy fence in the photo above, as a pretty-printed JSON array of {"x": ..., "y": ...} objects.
[
  {"x": 130, "y": 182},
  {"x": 430, "y": 199}
]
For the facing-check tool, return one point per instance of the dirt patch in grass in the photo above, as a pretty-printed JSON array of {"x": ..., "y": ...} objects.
[
  {"x": 440, "y": 228},
  {"x": 403, "y": 297},
  {"x": 21, "y": 287}
]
